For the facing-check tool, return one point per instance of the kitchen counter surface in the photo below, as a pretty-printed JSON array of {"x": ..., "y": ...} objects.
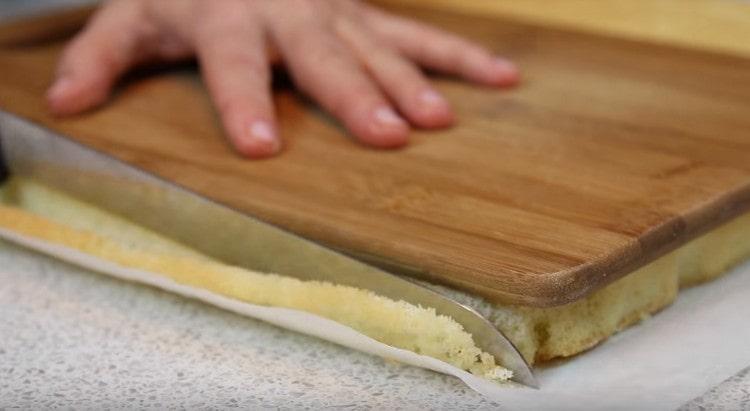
[{"x": 71, "y": 337}]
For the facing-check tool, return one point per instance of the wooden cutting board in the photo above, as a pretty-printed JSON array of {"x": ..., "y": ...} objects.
[{"x": 610, "y": 154}]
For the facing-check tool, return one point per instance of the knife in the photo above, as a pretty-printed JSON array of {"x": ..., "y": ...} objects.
[{"x": 230, "y": 236}]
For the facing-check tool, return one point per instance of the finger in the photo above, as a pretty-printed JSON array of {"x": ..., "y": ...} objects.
[
  {"x": 234, "y": 64},
  {"x": 96, "y": 58},
  {"x": 399, "y": 78},
  {"x": 441, "y": 51},
  {"x": 323, "y": 67}
]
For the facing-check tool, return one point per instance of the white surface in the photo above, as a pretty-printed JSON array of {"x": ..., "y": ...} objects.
[
  {"x": 71, "y": 338},
  {"x": 294, "y": 320},
  {"x": 668, "y": 360}
]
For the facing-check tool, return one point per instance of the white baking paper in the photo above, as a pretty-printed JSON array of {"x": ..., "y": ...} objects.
[{"x": 699, "y": 341}]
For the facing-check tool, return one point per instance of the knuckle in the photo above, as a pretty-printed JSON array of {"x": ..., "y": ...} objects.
[
  {"x": 449, "y": 53},
  {"x": 243, "y": 62},
  {"x": 326, "y": 56},
  {"x": 351, "y": 101},
  {"x": 229, "y": 106},
  {"x": 239, "y": 104},
  {"x": 83, "y": 53},
  {"x": 69, "y": 53},
  {"x": 452, "y": 50},
  {"x": 401, "y": 69},
  {"x": 107, "y": 60},
  {"x": 313, "y": 42},
  {"x": 223, "y": 20}
]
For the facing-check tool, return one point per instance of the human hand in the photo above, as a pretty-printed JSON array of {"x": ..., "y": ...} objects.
[{"x": 357, "y": 62}]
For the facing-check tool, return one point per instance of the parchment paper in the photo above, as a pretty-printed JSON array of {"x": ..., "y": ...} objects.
[{"x": 669, "y": 359}]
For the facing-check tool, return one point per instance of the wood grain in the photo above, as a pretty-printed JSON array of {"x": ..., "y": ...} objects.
[
  {"x": 713, "y": 25},
  {"x": 610, "y": 154},
  {"x": 41, "y": 27}
]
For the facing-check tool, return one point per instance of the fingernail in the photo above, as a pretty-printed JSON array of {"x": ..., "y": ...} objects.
[
  {"x": 432, "y": 98},
  {"x": 263, "y": 133},
  {"x": 59, "y": 88},
  {"x": 386, "y": 116}
]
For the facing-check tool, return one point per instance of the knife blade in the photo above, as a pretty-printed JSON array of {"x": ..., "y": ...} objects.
[{"x": 230, "y": 236}]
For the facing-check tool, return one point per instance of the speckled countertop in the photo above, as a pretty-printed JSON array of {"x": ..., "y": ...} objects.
[{"x": 71, "y": 338}]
